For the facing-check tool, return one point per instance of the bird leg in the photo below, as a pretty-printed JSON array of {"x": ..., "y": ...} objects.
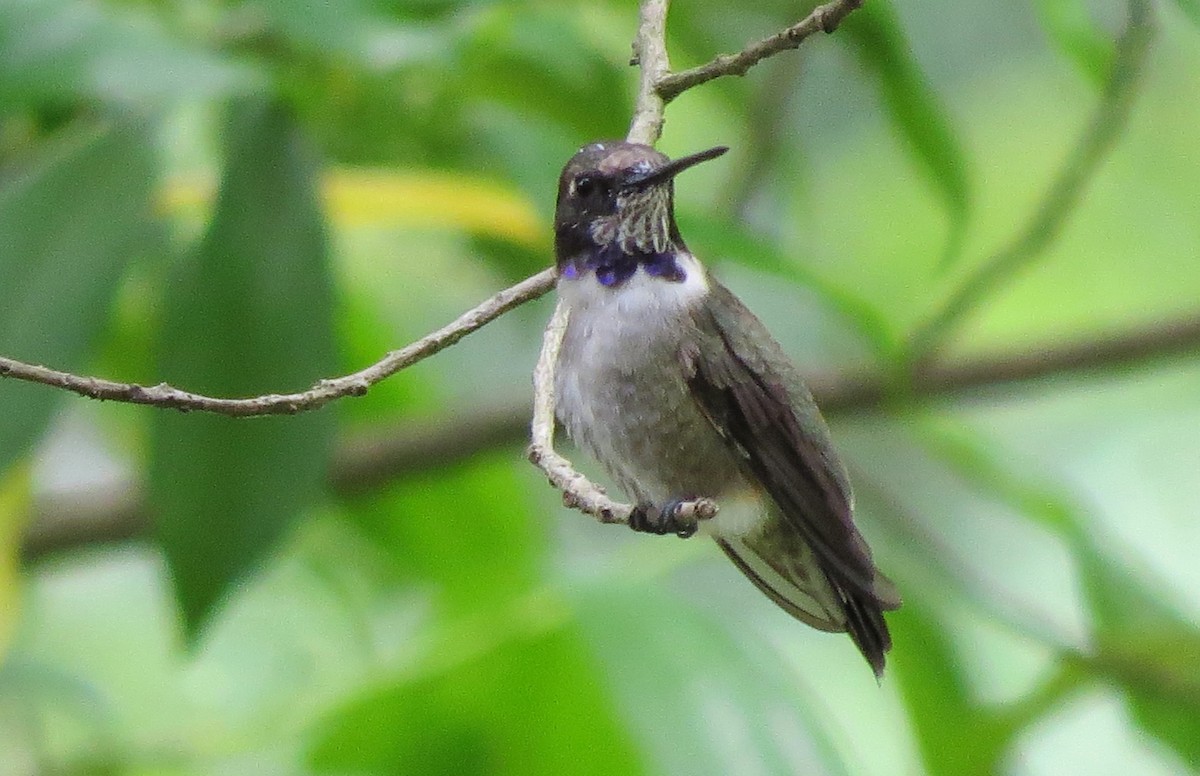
[{"x": 678, "y": 516}]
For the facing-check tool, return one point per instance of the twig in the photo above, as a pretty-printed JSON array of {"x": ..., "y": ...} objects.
[
  {"x": 650, "y": 55},
  {"x": 1098, "y": 140},
  {"x": 658, "y": 85},
  {"x": 363, "y": 463},
  {"x": 578, "y": 491},
  {"x": 824, "y": 18},
  {"x": 319, "y": 395}
]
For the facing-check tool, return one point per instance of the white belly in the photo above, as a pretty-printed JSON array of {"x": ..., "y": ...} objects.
[{"x": 620, "y": 388}]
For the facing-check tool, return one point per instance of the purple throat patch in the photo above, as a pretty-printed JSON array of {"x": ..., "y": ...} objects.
[{"x": 613, "y": 266}]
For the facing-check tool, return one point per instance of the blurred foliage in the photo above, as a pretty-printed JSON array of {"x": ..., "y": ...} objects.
[
  {"x": 880, "y": 45},
  {"x": 245, "y": 197},
  {"x": 259, "y": 287}
]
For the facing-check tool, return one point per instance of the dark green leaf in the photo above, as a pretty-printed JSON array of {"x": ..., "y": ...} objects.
[
  {"x": 916, "y": 114},
  {"x": 54, "y": 49},
  {"x": 1073, "y": 32},
  {"x": 68, "y": 228},
  {"x": 249, "y": 313},
  {"x": 531, "y": 705}
]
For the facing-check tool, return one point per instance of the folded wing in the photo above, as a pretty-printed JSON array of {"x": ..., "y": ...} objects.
[{"x": 811, "y": 559}]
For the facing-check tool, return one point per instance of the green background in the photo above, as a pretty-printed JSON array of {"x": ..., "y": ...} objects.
[{"x": 242, "y": 198}]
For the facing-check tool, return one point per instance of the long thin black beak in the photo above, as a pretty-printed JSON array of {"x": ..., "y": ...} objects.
[{"x": 671, "y": 169}]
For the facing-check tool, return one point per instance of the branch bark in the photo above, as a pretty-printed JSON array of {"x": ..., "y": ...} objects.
[
  {"x": 650, "y": 55},
  {"x": 356, "y": 384},
  {"x": 578, "y": 491},
  {"x": 824, "y": 18}
]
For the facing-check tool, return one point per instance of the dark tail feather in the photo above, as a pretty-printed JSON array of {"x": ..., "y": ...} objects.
[
  {"x": 868, "y": 629},
  {"x": 785, "y": 569}
]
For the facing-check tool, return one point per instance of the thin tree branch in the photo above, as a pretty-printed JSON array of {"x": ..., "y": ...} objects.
[
  {"x": 824, "y": 18},
  {"x": 364, "y": 463},
  {"x": 942, "y": 381},
  {"x": 319, "y": 395},
  {"x": 1098, "y": 140},
  {"x": 650, "y": 55},
  {"x": 578, "y": 491}
]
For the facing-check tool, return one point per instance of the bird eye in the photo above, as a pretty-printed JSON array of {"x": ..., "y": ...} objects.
[{"x": 585, "y": 186}]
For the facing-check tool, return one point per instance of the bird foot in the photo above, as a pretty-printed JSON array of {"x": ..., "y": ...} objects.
[{"x": 679, "y": 516}]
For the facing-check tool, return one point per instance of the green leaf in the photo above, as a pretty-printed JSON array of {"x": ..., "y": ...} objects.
[
  {"x": 69, "y": 226},
  {"x": 1191, "y": 9},
  {"x": 465, "y": 529},
  {"x": 531, "y": 705},
  {"x": 355, "y": 29},
  {"x": 1143, "y": 645},
  {"x": 55, "y": 49},
  {"x": 957, "y": 736},
  {"x": 700, "y": 700},
  {"x": 1150, "y": 649},
  {"x": 249, "y": 313},
  {"x": 917, "y": 115},
  {"x": 1073, "y": 32}
]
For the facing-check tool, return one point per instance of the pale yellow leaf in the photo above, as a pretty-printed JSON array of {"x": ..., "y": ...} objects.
[
  {"x": 14, "y": 509},
  {"x": 381, "y": 198}
]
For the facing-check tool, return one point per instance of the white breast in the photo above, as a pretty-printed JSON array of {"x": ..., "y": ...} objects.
[
  {"x": 621, "y": 392},
  {"x": 641, "y": 300}
]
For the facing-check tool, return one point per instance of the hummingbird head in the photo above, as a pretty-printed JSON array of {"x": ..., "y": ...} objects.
[{"x": 615, "y": 212}]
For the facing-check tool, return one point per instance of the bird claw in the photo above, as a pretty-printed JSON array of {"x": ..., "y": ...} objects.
[{"x": 679, "y": 516}]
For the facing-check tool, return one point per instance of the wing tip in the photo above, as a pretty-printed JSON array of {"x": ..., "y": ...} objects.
[
  {"x": 862, "y": 611},
  {"x": 868, "y": 629}
]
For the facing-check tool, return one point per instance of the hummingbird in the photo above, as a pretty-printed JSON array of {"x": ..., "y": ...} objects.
[{"x": 680, "y": 392}]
